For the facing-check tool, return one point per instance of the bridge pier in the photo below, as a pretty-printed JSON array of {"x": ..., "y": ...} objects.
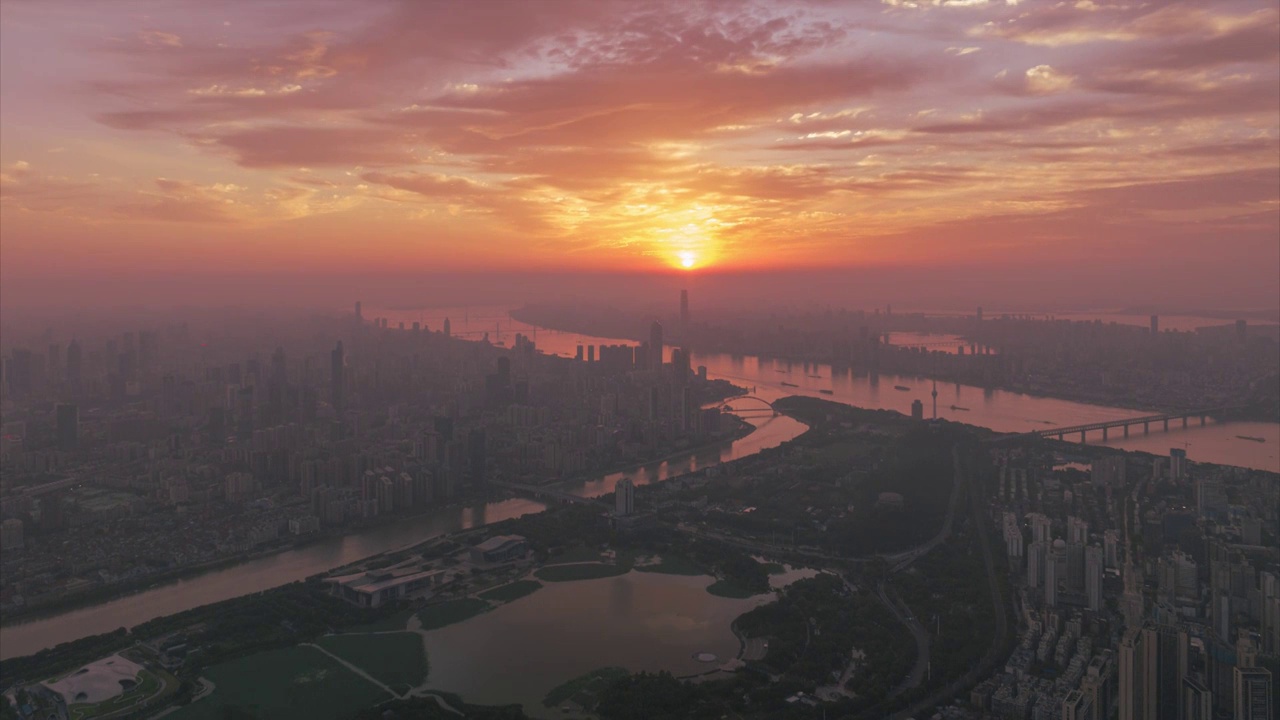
[
  {"x": 1059, "y": 437},
  {"x": 1104, "y": 434},
  {"x": 1146, "y": 428},
  {"x": 1201, "y": 421},
  {"x": 1184, "y": 422},
  {"x": 1166, "y": 424},
  {"x": 1126, "y": 431},
  {"x": 1082, "y": 434}
]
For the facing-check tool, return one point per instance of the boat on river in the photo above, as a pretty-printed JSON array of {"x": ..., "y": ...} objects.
[
  {"x": 787, "y": 384},
  {"x": 1250, "y": 437},
  {"x": 903, "y": 388},
  {"x": 827, "y": 392}
]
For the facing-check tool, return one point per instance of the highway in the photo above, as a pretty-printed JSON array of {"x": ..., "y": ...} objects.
[
  {"x": 995, "y": 653},
  {"x": 904, "y": 616}
]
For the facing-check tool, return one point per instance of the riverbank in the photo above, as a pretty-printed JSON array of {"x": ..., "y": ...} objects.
[
  {"x": 18, "y": 616},
  {"x": 1269, "y": 414}
]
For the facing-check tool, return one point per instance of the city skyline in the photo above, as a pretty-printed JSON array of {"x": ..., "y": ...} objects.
[{"x": 1125, "y": 146}]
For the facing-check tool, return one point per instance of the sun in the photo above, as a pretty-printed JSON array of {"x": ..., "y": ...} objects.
[{"x": 687, "y": 259}]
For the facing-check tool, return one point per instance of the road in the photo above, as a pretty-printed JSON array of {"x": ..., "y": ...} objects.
[
  {"x": 999, "y": 642},
  {"x": 904, "y": 616}
]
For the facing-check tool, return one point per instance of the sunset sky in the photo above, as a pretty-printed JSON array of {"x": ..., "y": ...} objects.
[{"x": 315, "y": 136}]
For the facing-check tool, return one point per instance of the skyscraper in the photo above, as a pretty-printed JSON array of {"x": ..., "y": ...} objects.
[
  {"x": 68, "y": 426},
  {"x": 1177, "y": 463},
  {"x": 1164, "y": 651},
  {"x": 448, "y": 329},
  {"x": 1197, "y": 700},
  {"x": 655, "y": 345},
  {"x": 1155, "y": 324},
  {"x": 359, "y": 314},
  {"x": 1131, "y": 676},
  {"x": 917, "y": 410},
  {"x": 74, "y": 360},
  {"x": 1253, "y": 694},
  {"x": 18, "y": 371},
  {"x": 684, "y": 307},
  {"x": 1037, "y": 554},
  {"x": 1055, "y": 568},
  {"x": 1093, "y": 562},
  {"x": 624, "y": 498},
  {"x": 337, "y": 365}
]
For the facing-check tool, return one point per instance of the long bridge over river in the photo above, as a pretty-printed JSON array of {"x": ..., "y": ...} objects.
[
  {"x": 1146, "y": 421},
  {"x": 546, "y": 493}
]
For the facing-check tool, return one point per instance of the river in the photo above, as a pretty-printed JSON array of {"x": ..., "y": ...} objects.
[{"x": 1000, "y": 410}]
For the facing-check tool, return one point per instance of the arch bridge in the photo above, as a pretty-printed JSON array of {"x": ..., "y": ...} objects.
[{"x": 727, "y": 404}]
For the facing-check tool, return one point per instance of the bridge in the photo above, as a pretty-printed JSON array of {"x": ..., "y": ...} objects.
[
  {"x": 546, "y": 493},
  {"x": 728, "y": 403},
  {"x": 1105, "y": 426}
]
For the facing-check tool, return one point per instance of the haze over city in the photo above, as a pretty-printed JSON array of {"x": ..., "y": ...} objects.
[{"x": 639, "y": 360}]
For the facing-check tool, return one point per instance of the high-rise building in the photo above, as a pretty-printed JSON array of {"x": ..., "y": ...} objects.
[
  {"x": 337, "y": 367},
  {"x": 655, "y": 345},
  {"x": 1155, "y": 324},
  {"x": 1040, "y": 528},
  {"x": 1210, "y": 498},
  {"x": 18, "y": 371},
  {"x": 11, "y": 534},
  {"x": 1177, "y": 463},
  {"x": 448, "y": 328},
  {"x": 1055, "y": 568},
  {"x": 359, "y": 314},
  {"x": 1253, "y": 690},
  {"x": 74, "y": 360},
  {"x": 477, "y": 456},
  {"x": 1077, "y": 531},
  {"x": 68, "y": 426},
  {"x": 979, "y": 315},
  {"x": 1037, "y": 553},
  {"x": 1093, "y": 562},
  {"x": 1078, "y": 706},
  {"x": 684, "y": 307},
  {"x": 1109, "y": 471},
  {"x": 1131, "y": 676},
  {"x": 1197, "y": 700},
  {"x": 624, "y": 498},
  {"x": 1164, "y": 650},
  {"x": 917, "y": 410}
]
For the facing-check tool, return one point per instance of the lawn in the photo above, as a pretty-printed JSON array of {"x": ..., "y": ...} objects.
[
  {"x": 578, "y": 553},
  {"x": 512, "y": 591},
  {"x": 730, "y": 589},
  {"x": 451, "y": 611},
  {"x": 391, "y": 622},
  {"x": 396, "y": 659},
  {"x": 673, "y": 565},
  {"x": 594, "y": 680},
  {"x": 580, "y": 571},
  {"x": 297, "y": 682}
]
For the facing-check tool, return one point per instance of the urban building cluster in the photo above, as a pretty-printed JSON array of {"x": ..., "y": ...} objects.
[
  {"x": 1145, "y": 588},
  {"x": 134, "y": 455},
  {"x": 1110, "y": 363}
]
